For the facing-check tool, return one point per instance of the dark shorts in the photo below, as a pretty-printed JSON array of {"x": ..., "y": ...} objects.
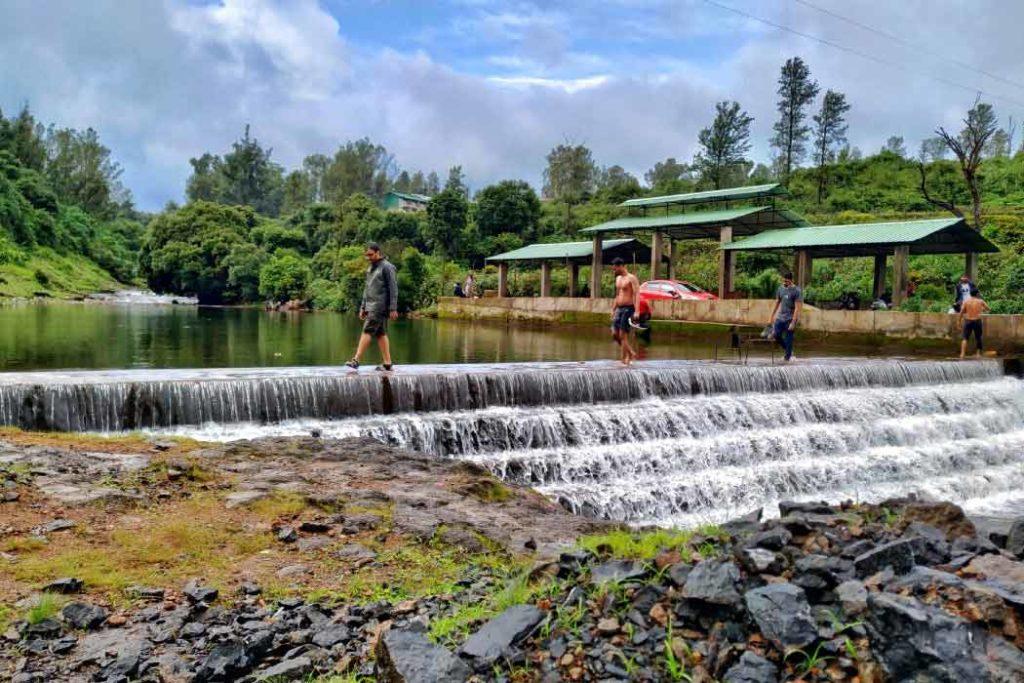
[
  {"x": 972, "y": 327},
  {"x": 620, "y": 318},
  {"x": 376, "y": 324}
]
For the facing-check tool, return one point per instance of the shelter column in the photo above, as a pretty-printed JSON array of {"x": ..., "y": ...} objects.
[
  {"x": 878, "y": 288},
  {"x": 656, "y": 242},
  {"x": 595, "y": 268},
  {"x": 971, "y": 265},
  {"x": 899, "y": 275},
  {"x": 726, "y": 264},
  {"x": 803, "y": 268},
  {"x": 502, "y": 279},
  {"x": 545, "y": 278},
  {"x": 673, "y": 247},
  {"x": 574, "y": 276}
]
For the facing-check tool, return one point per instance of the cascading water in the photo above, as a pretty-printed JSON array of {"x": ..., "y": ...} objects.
[{"x": 684, "y": 442}]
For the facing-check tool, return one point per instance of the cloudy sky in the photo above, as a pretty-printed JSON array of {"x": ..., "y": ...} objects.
[{"x": 490, "y": 85}]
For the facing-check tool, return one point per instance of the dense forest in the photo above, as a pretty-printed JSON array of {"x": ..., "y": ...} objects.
[{"x": 252, "y": 231}]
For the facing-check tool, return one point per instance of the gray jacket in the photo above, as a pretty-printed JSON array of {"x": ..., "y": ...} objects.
[{"x": 380, "y": 294}]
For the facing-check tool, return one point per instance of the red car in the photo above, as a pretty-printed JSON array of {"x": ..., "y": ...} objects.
[{"x": 669, "y": 290}]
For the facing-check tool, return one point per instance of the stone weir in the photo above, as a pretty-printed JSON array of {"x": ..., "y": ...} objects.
[{"x": 137, "y": 399}]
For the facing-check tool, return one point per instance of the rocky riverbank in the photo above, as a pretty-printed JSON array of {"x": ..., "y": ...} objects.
[{"x": 344, "y": 561}]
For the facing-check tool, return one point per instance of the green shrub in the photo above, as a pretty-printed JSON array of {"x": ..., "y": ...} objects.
[{"x": 284, "y": 277}]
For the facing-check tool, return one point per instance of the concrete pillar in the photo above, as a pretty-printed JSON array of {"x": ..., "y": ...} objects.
[
  {"x": 899, "y": 274},
  {"x": 971, "y": 265},
  {"x": 545, "y": 278},
  {"x": 595, "y": 268},
  {"x": 574, "y": 276},
  {"x": 656, "y": 242},
  {"x": 802, "y": 268},
  {"x": 878, "y": 287},
  {"x": 503, "y": 279},
  {"x": 726, "y": 264},
  {"x": 673, "y": 247}
]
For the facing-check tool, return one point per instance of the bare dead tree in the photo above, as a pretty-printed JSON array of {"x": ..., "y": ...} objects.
[
  {"x": 968, "y": 146},
  {"x": 948, "y": 206}
]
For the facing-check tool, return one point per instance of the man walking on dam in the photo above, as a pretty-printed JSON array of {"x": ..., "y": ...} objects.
[
  {"x": 379, "y": 304},
  {"x": 971, "y": 309},
  {"x": 789, "y": 301},
  {"x": 627, "y": 291}
]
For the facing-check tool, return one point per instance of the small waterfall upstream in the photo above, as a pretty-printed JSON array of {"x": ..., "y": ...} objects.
[{"x": 678, "y": 443}]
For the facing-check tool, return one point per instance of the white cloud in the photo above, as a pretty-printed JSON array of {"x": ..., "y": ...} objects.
[{"x": 569, "y": 85}]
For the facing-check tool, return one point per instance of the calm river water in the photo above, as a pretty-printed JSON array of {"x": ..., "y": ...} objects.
[{"x": 47, "y": 336}]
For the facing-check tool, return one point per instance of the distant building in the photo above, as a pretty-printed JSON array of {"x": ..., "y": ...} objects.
[{"x": 405, "y": 201}]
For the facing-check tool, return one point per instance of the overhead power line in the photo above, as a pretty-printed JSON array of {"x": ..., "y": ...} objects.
[
  {"x": 911, "y": 45},
  {"x": 863, "y": 55}
]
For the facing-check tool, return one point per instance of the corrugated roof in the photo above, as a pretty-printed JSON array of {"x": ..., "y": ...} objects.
[
  {"x": 732, "y": 193},
  {"x": 674, "y": 220},
  {"x": 557, "y": 250},
  {"x": 955, "y": 236},
  {"x": 411, "y": 196}
]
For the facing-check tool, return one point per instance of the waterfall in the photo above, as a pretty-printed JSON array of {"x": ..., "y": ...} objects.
[{"x": 679, "y": 443}]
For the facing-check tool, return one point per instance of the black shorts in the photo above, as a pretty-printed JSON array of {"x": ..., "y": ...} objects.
[
  {"x": 972, "y": 327},
  {"x": 620, "y": 318},
  {"x": 376, "y": 324}
]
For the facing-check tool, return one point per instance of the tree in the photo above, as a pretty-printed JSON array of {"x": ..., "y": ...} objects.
[
  {"x": 315, "y": 166},
  {"x": 433, "y": 184},
  {"x": 206, "y": 182},
  {"x": 933, "y": 149},
  {"x": 418, "y": 183},
  {"x": 570, "y": 176},
  {"x": 457, "y": 181},
  {"x": 243, "y": 264},
  {"x": 403, "y": 183},
  {"x": 895, "y": 145},
  {"x": 297, "y": 194},
  {"x": 829, "y": 132},
  {"x": 284, "y": 277},
  {"x": 665, "y": 172},
  {"x": 81, "y": 171},
  {"x": 998, "y": 145},
  {"x": 358, "y": 166},
  {"x": 250, "y": 178},
  {"x": 412, "y": 280},
  {"x": 723, "y": 145},
  {"x": 23, "y": 137},
  {"x": 509, "y": 206},
  {"x": 447, "y": 215},
  {"x": 616, "y": 185},
  {"x": 796, "y": 90},
  {"x": 968, "y": 146}
]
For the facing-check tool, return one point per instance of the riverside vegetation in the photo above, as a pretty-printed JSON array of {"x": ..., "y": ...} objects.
[{"x": 344, "y": 561}]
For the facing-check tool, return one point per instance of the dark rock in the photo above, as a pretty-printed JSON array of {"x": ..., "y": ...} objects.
[
  {"x": 760, "y": 561},
  {"x": 573, "y": 562},
  {"x": 973, "y": 545},
  {"x": 645, "y": 597},
  {"x": 853, "y": 596},
  {"x": 65, "y": 586},
  {"x": 407, "y": 657},
  {"x": 913, "y": 641},
  {"x": 249, "y": 588},
  {"x": 225, "y": 662},
  {"x": 287, "y": 534},
  {"x": 289, "y": 669},
  {"x": 946, "y": 516},
  {"x": 857, "y": 548},
  {"x": 775, "y": 538},
  {"x": 929, "y": 543},
  {"x": 899, "y": 555},
  {"x": 331, "y": 635},
  {"x": 832, "y": 570},
  {"x": 1015, "y": 538},
  {"x": 820, "y": 507},
  {"x": 55, "y": 526},
  {"x": 84, "y": 616},
  {"x": 998, "y": 539},
  {"x": 47, "y": 628},
  {"x": 783, "y": 614},
  {"x": 744, "y": 523},
  {"x": 130, "y": 655},
  {"x": 199, "y": 594},
  {"x": 315, "y": 527},
  {"x": 752, "y": 668},
  {"x": 356, "y": 552},
  {"x": 677, "y": 573},
  {"x": 146, "y": 593},
  {"x": 362, "y": 522},
  {"x": 714, "y": 582},
  {"x": 306, "y": 545},
  {"x": 500, "y": 633},
  {"x": 617, "y": 571}
]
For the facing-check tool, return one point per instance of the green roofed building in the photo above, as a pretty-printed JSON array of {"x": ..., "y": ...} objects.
[{"x": 405, "y": 201}]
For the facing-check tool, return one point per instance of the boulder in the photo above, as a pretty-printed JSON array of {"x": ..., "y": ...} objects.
[
  {"x": 288, "y": 669},
  {"x": 752, "y": 668},
  {"x": 783, "y": 614},
  {"x": 617, "y": 571},
  {"x": 819, "y": 507},
  {"x": 65, "y": 586},
  {"x": 760, "y": 561},
  {"x": 853, "y": 596},
  {"x": 330, "y": 635},
  {"x": 200, "y": 594},
  {"x": 1015, "y": 538},
  {"x": 947, "y": 517},
  {"x": 899, "y": 555},
  {"x": 714, "y": 582},
  {"x": 226, "y": 662},
  {"x": 83, "y": 615},
  {"x": 408, "y": 657},
  {"x": 928, "y": 543},
  {"x": 772, "y": 539},
  {"x": 494, "y": 638}
]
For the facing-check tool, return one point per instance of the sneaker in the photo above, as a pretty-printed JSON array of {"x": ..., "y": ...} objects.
[
  {"x": 385, "y": 367},
  {"x": 354, "y": 364}
]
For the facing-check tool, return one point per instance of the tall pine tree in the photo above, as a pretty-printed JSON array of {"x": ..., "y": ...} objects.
[
  {"x": 829, "y": 133},
  {"x": 796, "y": 91},
  {"x": 723, "y": 145}
]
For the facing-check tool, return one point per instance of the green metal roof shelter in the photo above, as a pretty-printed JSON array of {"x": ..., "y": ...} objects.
[
  {"x": 900, "y": 238},
  {"x": 573, "y": 254},
  {"x": 711, "y": 196},
  {"x": 703, "y": 224}
]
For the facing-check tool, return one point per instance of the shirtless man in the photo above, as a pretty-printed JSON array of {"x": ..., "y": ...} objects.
[
  {"x": 627, "y": 293},
  {"x": 971, "y": 309}
]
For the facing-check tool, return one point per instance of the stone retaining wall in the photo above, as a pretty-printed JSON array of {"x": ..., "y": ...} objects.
[{"x": 1005, "y": 332}]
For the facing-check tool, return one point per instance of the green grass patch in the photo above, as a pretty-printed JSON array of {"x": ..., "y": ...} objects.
[
  {"x": 61, "y": 276},
  {"x": 645, "y": 545},
  {"x": 47, "y": 606}
]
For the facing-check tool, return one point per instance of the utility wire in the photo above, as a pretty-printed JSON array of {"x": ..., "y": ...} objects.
[
  {"x": 908, "y": 44},
  {"x": 863, "y": 55}
]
